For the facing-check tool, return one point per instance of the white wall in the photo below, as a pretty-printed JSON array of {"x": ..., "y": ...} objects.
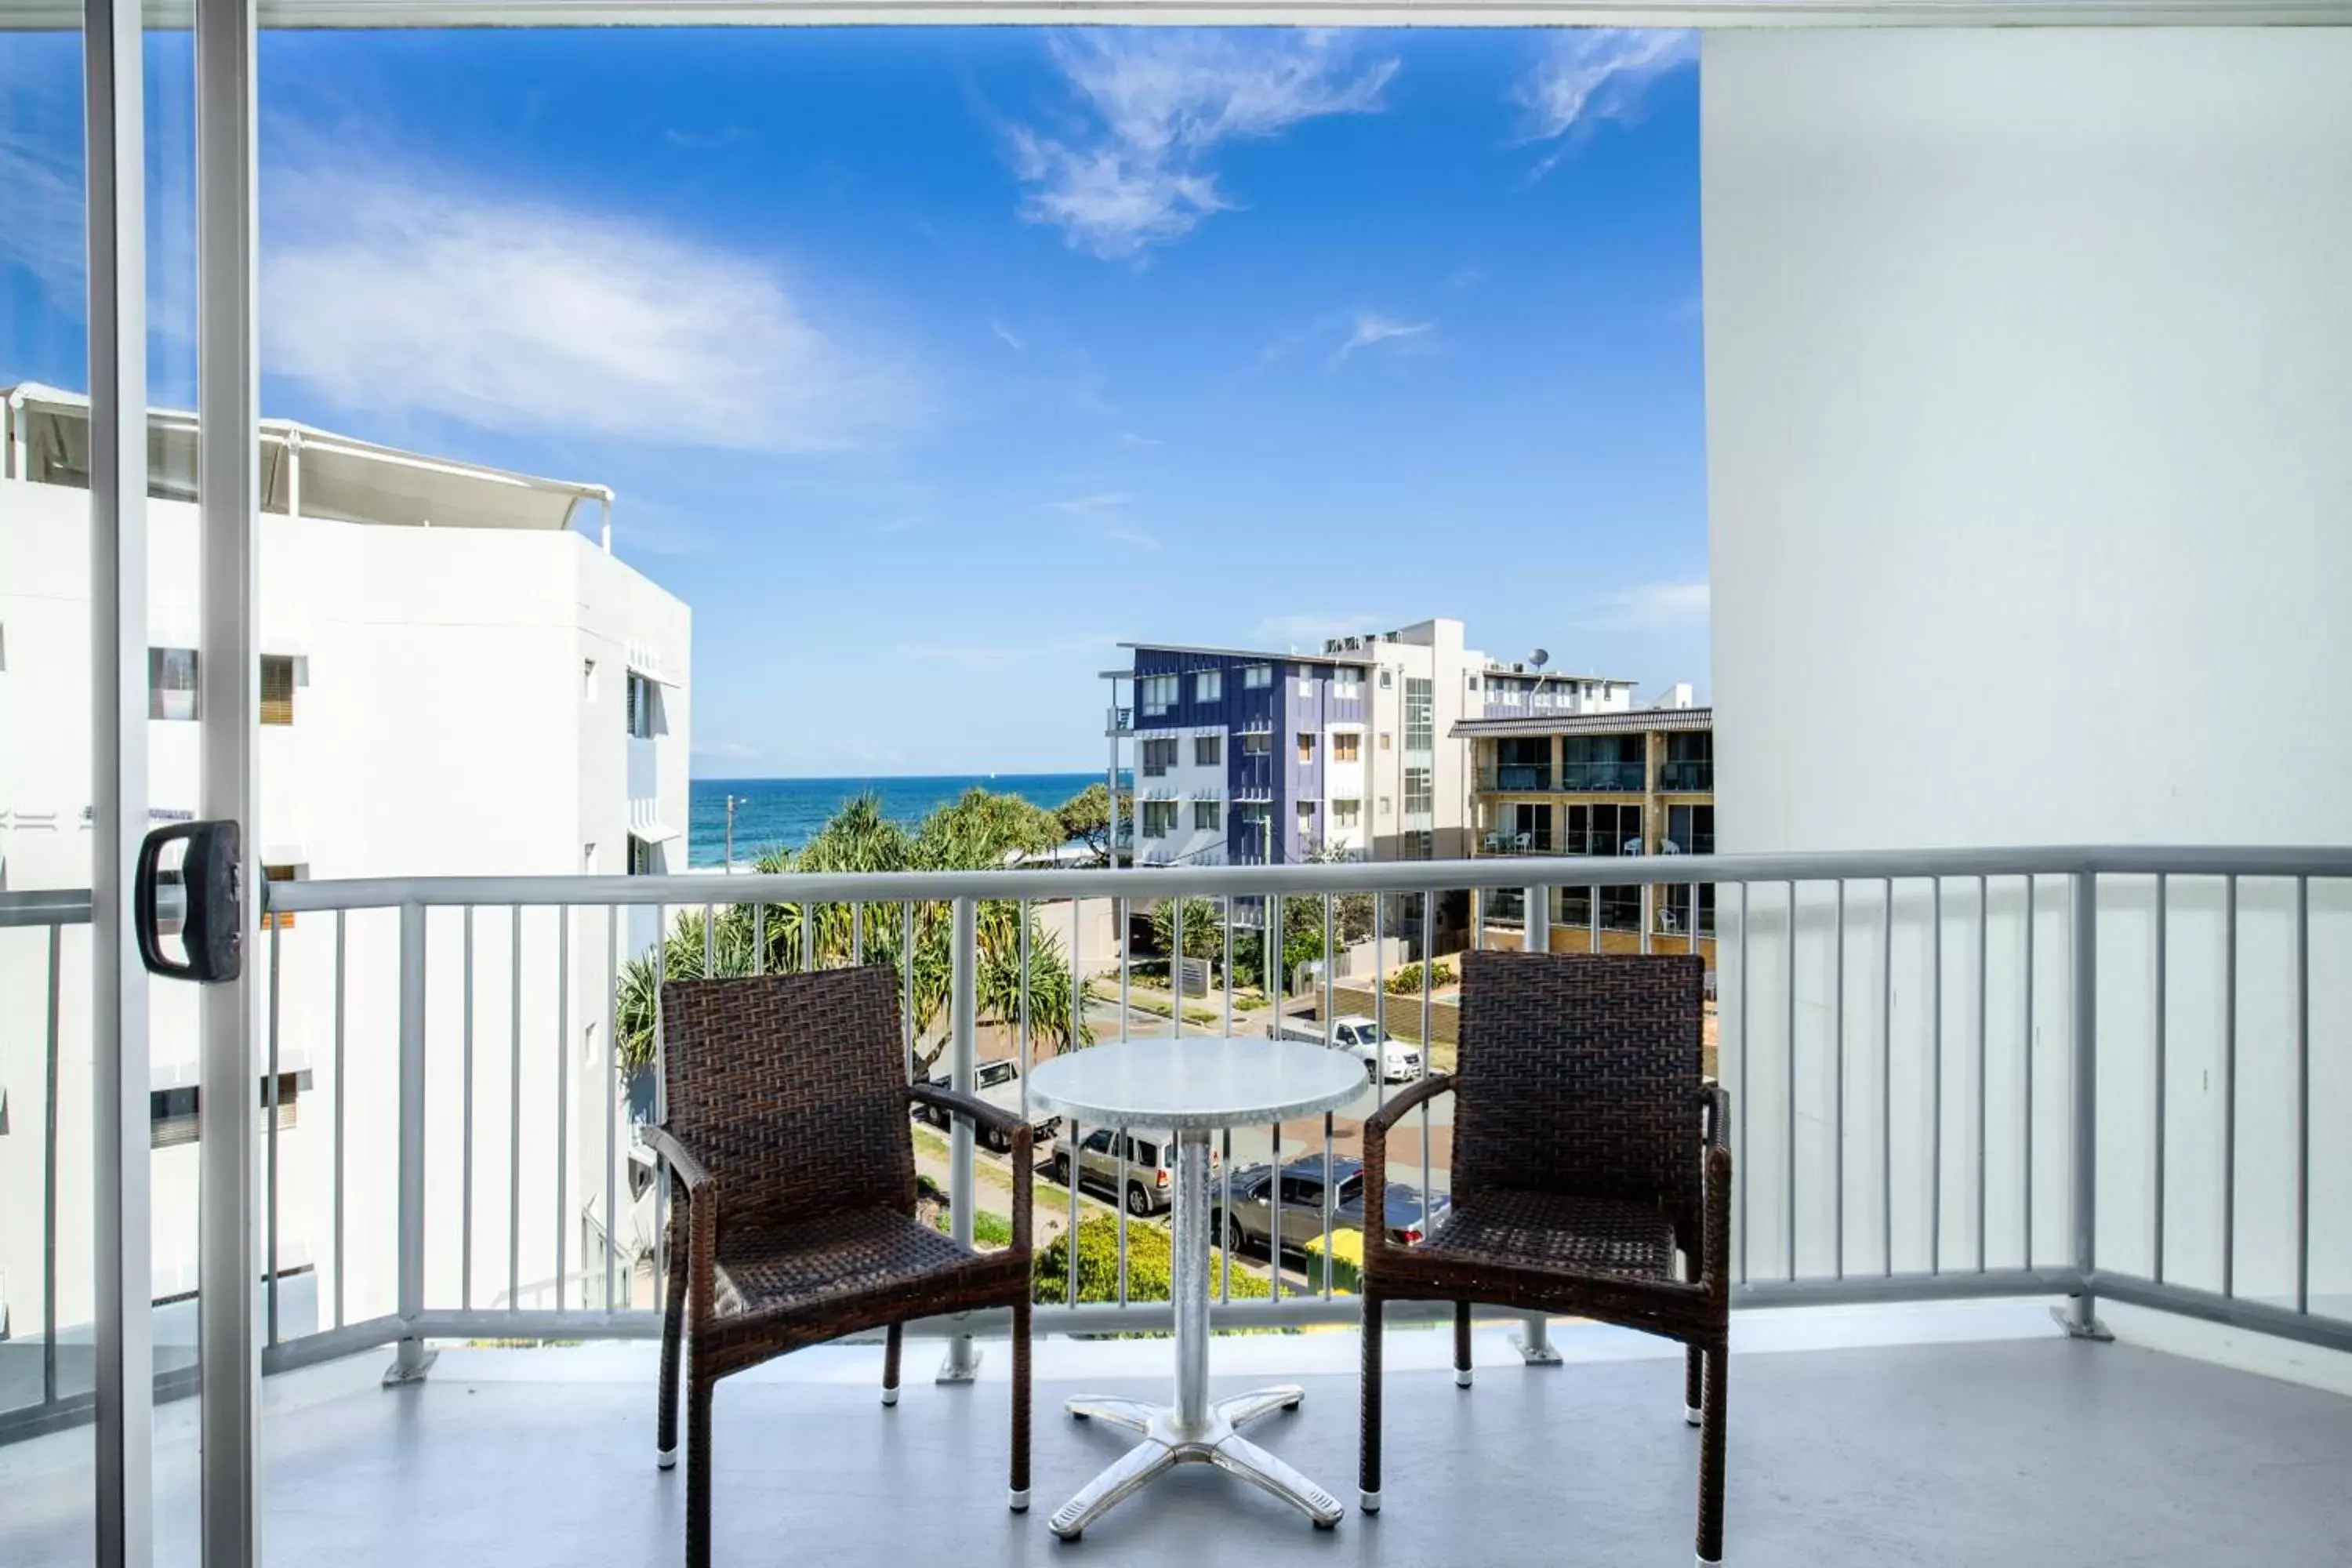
[
  {"x": 2027, "y": 359},
  {"x": 446, "y": 728}
]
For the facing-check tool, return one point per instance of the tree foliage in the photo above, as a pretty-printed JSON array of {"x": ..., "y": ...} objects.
[
  {"x": 1084, "y": 818},
  {"x": 978, "y": 831}
]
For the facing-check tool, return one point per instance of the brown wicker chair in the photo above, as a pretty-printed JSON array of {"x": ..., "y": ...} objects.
[
  {"x": 1587, "y": 1149},
  {"x": 788, "y": 1140}
]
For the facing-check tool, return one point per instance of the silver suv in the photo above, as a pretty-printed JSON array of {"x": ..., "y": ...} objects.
[{"x": 1150, "y": 1167}]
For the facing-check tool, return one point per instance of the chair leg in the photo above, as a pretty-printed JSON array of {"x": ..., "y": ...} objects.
[
  {"x": 1710, "y": 1456},
  {"x": 1019, "y": 1498},
  {"x": 697, "y": 1472},
  {"x": 1368, "y": 1461},
  {"x": 890, "y": 1365},
  {"x": 673, "y": 1325},
  {"x": 1461, "y": 1345},
  {"x": 1694, "y": 1382}
]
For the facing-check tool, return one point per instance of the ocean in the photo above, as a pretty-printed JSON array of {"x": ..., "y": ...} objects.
[{"x": 771, "y": 814}]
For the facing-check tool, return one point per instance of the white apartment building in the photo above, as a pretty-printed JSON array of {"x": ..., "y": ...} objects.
[{"x": 457, "y": 676}]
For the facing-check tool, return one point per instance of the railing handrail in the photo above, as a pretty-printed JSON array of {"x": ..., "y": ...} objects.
[
  {"x": 45, "y": 907},
  {"x": 1253, "y": 881}
]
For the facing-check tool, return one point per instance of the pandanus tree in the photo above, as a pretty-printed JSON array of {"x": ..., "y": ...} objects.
[{"x": 979, "y": 831}]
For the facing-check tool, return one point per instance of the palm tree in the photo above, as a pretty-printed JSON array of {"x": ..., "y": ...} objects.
[{"x": 979, "y": 831}]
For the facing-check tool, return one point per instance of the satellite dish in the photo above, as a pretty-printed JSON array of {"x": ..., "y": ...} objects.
[{"x": 1541, "y": 658}]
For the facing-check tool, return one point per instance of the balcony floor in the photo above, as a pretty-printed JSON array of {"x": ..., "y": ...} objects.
[{"x": 2023, "y": 1448}]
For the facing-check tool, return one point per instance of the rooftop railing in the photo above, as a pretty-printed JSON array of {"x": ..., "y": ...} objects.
[{"x": 2062, "y": 1072}]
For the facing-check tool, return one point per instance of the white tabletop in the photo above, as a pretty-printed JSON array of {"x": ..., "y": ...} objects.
[{"x": 1195, "y": 1081}]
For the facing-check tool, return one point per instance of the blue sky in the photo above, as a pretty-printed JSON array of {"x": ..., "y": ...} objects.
[{"x": 928, "y": 365}]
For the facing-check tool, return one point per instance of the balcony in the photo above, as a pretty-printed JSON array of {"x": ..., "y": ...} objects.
[
  {"x": 1523, "y": 776},
  {"x": 1684, "y": 776},
  {"x": 1918, "y": 1186},
  {"x": 1621, "y": 778}
]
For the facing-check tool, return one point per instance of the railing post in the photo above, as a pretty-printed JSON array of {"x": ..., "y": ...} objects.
[
  {"x": 409, "y": 1358},
  {"x": 962, "y": 1361},
  {"x": 2079, "y": 1317},
  {"x": 1535, "y": 928}
]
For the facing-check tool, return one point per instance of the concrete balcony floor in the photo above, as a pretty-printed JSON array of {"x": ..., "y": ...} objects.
[{"x": 1965, "y": 1435}]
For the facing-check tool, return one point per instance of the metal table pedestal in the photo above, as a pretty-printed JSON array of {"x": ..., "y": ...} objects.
[{"x": 1191, "y": 1431}]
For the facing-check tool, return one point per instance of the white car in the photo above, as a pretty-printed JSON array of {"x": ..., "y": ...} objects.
[{"x": 1384, "y": 1058}]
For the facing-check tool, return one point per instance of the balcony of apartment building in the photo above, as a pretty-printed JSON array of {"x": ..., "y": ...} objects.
[{"x": 1918, "y": 1188}]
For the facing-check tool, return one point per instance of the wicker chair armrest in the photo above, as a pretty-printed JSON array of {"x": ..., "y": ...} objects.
[
  {"x": 1377, "y": 1124},
  {"x": 1020, "y": 1138},
  {"x": 1376, "y": 1161},
  {"x": 978, "y": 1112},
  {"x": 1715, "y": 1259},
  {"x": 1715, "y": 1115},
  {"x": 683, "y": 1163}
]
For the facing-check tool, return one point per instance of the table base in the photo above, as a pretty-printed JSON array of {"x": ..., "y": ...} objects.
[{"x": 1167, "y": 1444}]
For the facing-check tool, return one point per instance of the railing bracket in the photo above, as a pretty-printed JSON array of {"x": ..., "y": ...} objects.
[
  {"x": 406, "y": 1368},
  {"x": 2083, "y": 1326}
]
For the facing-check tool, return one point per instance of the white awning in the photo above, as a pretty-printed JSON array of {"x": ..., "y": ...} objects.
[{"x": 647, "y": 662}]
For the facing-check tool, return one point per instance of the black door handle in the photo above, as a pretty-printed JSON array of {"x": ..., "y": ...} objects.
[{"x": 212, "y": 927}]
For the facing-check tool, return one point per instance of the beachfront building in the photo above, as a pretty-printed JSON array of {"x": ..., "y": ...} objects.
[
  {"x": 1606, "y": 782},
  {"x": 1249, "y": 757},
  {"x": 456, "y": 676}
]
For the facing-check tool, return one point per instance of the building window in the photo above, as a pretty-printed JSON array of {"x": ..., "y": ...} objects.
[
  {"x": 1385, "y": 739},
  {"x": 588, "y": 680},
  {"x": 1158, "y": 818},
  {"x": 1387, "y": 677},
  {"x": 1208, "y": 686},
  {"x": 1690, "y": 830},
  {"x": 1689, "y": 764},
  {"x": 645, "y": 707},
  {"x": 172, "y": 1112},
  {"x": 1208, "y": 815},
  {"x": 1420, "y": 844},
  {"x": 1159, "y": 693},
  {"x": 1257, "y": 743},
  {"x": 1348, "y": 684},
  {"x": 1347, "y": 813},
  {"x": 644, "y": 860},
  {"x": 1420, "y": 716},
  {"x": 1347, "y": 747},
  {"x": 1305, "y": 818},
  {"x": 1306, "y": 681},
  {"x": 1159, "y": 756},
  {"x": 277, "y": 689},
  {"x": 587, "y": 857},
  {"x": 1256, "y": 676},
  {"x": 1306, "y": 746},
  {"x": 1420, "y": 797},
  {"x": 172, "y": 683},
  {"x": 1208, "y": 750},
  {"x": 1385, "y": 803}
]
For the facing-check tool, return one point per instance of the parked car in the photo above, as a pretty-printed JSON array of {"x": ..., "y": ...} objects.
[
  {"x": 997, "y": 1082},
  {"x": 1150, "y": 1175},
  {"x": 1248, "y": 1224},
  {"x": 1385, "y": 1056}
]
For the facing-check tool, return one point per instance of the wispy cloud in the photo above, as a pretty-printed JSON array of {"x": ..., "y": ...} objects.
[
  {"x": 1650, "y": 606},
  {"x": 1463, "y": 278},
  {"x": 1133, "y": 167},
  {"x": 1370, "y": 330},
  {"x": 706, "y": 140},
  {"x": 1590, "y": 74},
  {"x": 1129, "y": 438},
  {"x": 1092, "y": 505},
  {"x": 511, "y": 312},
  {"x": 41, "y": 173},
  {"x": 1007, "y": 336},
  {"x": 1311, "y": 630}
]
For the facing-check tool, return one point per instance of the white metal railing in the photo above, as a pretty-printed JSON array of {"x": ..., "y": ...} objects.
[{"x": 1955, "y": 1072}]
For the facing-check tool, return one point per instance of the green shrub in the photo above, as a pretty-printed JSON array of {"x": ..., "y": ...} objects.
[
  {"x": 1148, "y": 1265},
  {"x": 1407, "y": 981}
]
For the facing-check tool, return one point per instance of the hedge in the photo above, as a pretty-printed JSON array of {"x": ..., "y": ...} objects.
[
  {"x": 1408, "y": 979},
  {"x": 1147, "y": 1264}
]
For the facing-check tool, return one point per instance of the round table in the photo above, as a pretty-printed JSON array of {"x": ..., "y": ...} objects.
[{"x": 1193, "y": 1085}]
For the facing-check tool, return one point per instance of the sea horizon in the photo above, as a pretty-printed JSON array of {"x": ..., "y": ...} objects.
[{"x": 783, "y": 812}]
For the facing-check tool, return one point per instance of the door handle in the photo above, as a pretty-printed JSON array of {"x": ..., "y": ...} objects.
[{"x": 211, "y": 925}]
